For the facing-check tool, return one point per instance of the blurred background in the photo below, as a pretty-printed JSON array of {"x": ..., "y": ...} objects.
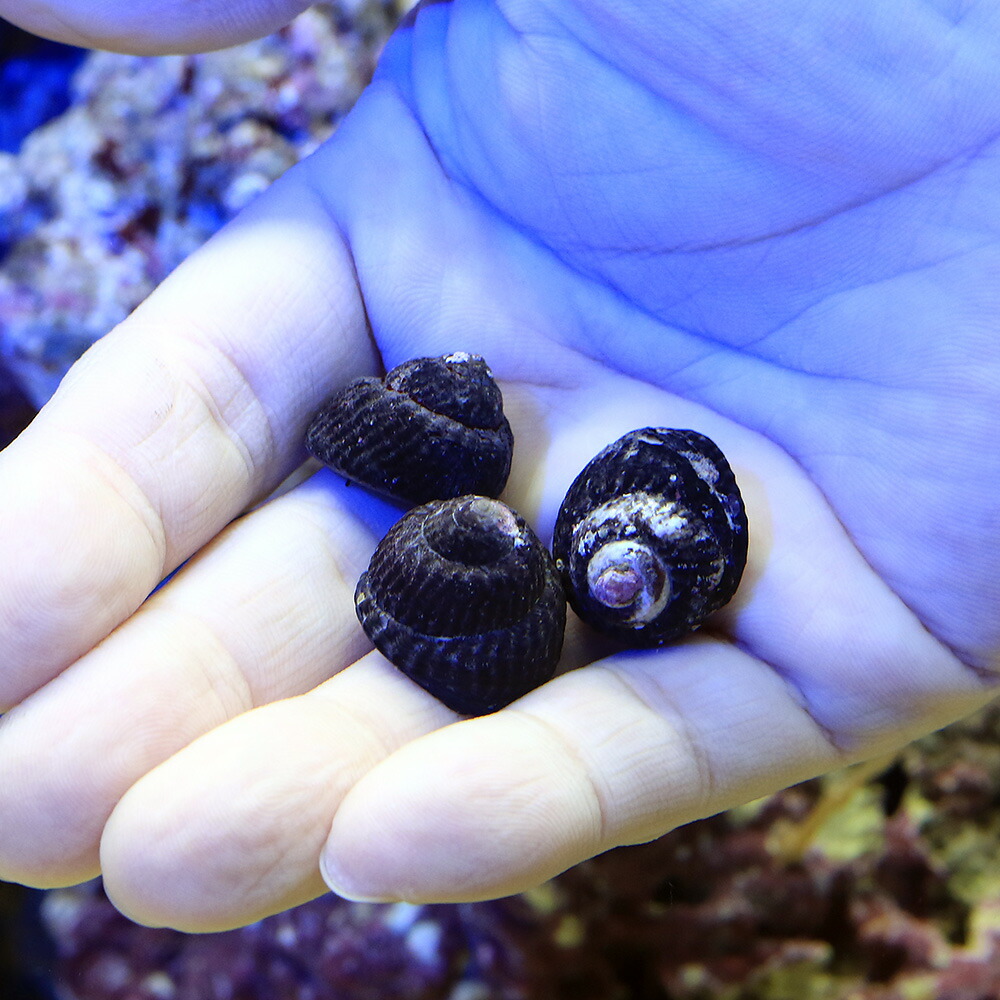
[{"x": 878, "y": 883}]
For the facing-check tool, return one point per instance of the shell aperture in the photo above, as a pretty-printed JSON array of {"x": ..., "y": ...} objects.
[
  {"x": 651, "y": 537},
  {"x": 463, "y": 598},
  {"x": 433, "y": 428}
]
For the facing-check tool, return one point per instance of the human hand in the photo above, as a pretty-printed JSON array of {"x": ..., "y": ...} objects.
[{"x": 771, "y": 226}]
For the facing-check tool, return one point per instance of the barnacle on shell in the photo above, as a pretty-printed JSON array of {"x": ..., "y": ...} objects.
[
  {"x": 433, "y": 428},
  {"x": 466, "y": 601},
  {"x": 652, "y": 536}
]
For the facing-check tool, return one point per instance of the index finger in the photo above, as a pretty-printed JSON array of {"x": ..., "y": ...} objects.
[{"x": 171, "y": 426}]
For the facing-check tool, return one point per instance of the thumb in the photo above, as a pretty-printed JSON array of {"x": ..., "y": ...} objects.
[{"x": 151, "y": 27}]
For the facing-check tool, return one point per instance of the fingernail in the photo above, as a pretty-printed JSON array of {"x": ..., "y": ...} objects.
[{"x": 339, "y": 883}]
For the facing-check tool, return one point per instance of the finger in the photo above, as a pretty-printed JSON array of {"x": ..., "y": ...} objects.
[
  {"x": 599, "y": 757},
  {"x": 170, "y": 426},
  {"x": 263, "y": 613},
  {"x": 608, "y": 755},
  {"x": 230, "y": 829},
  {"x": 145, "y": 28}
]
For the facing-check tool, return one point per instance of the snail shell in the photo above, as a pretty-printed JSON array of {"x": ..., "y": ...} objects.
[
  {"x": 433, "y": 428},
  {"x": 652, "y": 536},
  {"x": 463, "y": 598}
]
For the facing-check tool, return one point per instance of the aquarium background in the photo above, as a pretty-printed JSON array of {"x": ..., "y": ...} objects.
[{"x": 878, "y": 883}]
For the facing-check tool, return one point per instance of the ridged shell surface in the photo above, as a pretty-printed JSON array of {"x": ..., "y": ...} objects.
[
  {"x": 652, "y": 536},
  {"x": 463, "y": 598},
  {"x": 433, "y": 428}
]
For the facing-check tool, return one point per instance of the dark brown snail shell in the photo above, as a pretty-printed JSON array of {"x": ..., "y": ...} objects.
[
  {"x": 433, "y": 428},
  {"x": 465, "y": 600},
  {"x": 652, "y": 536}
]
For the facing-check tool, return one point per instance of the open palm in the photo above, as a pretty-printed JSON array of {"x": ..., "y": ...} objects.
[{"x": 777, "y": 228}]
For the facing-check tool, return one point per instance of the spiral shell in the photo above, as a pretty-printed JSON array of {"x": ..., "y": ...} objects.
[
  {"x": 433, "y": 428},
  {"x": 463, "y": 598},
  {"x": 652, "y": 536}
]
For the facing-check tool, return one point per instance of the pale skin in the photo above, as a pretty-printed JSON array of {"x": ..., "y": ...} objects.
[{"x": 776, "y": 225}]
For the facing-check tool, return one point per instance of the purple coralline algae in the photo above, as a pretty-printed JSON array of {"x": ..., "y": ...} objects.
[
  {"x": 150, "y": 159},
  {"x": 325, "y": 950}
]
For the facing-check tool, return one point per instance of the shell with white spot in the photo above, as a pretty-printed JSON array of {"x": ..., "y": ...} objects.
[
  {"x": 463, "y": 598},
  {"x": 431, "y": 429},
  {"x": 652, "y": 536}
]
